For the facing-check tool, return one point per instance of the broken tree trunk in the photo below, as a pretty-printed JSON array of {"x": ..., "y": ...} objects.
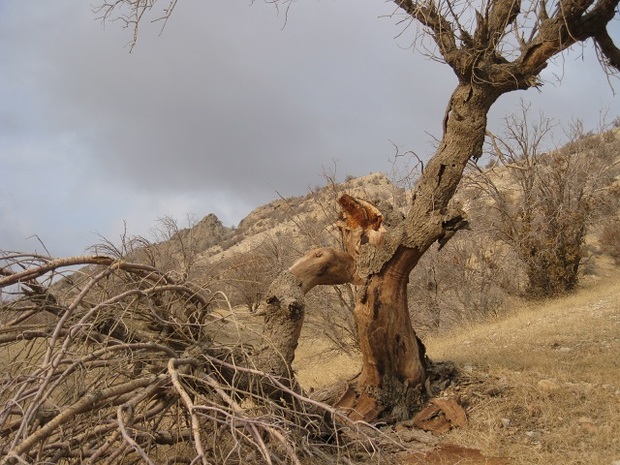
[
  {"x": 386, "y": 246},
  {"x": 391, "y": 382},
  {"x": 393, "y": 358},
  {"x": 284, "y": 306},
  {"x": 382, "y": 248}
]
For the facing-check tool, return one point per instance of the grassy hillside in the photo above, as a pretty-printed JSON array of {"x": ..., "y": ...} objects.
[
  {"x": 540, "y": 386},
  {"x": 543, "y": 385}
]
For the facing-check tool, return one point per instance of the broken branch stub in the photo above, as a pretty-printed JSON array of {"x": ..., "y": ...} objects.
[
  {"x": 323, "y": 266},
  {"x": 362, "y": 223},
  {"x": 284, "y": 306}
]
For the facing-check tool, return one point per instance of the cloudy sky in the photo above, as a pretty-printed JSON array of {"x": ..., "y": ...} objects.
[{"x": 223, "y": 112}]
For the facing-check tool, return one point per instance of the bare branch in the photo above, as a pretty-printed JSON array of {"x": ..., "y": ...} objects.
[
  {"x": 89, "y": 402},
  {"x": 608, "y": 49}
]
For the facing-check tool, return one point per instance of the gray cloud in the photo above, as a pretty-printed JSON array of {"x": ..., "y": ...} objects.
[{"x": 218, "y": 113}]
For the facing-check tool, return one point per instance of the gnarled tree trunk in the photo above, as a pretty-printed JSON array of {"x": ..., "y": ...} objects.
[
  {"x": 381, "y": 250},
  {"x": 391, "y": 384}
]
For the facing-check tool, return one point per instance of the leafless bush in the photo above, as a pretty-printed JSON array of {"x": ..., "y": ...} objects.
[
  {"x": 610, "y": 239},
  {"x": 528, "y": 214},
  {"x": 111, "y": 361},
  {"x": 464, "y": 282},
  {"x": 544, "y": 202},
  {"x": 331, "y": 316},
  {"x": 245, "y": 275}
]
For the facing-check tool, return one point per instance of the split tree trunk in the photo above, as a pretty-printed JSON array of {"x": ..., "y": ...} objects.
[{"x": 382, "y": 248}]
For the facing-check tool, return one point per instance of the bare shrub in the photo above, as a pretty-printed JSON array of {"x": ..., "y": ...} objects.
[
  {"x": 332, "y": 317},
  {"x": 462, "y": 283},
  {"x": 609, "y": 239},
  {"x": 544, "y": 202}
]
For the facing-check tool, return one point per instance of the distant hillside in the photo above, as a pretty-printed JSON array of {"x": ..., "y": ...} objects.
[
  {"x": 476, "y": 275},
  {"x": 308, "y": 220}
]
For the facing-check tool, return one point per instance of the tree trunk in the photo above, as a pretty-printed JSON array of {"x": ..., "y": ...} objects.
[
  {"x": 391, "y": 383},
  {"x": 393, "y": 358}
]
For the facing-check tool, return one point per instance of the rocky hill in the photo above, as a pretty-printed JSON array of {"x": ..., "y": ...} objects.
[
  {"x": 307, "y": 220},
  {"x": 476, "y": 275}
]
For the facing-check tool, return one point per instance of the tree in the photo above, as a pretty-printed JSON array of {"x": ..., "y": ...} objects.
[
  {"x": 494, "y": 47},
  {"x": 550, "y": 198}
]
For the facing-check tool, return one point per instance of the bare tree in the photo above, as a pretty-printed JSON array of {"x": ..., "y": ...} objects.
[
  {"x": 493, "y": 47},
  {"x": 547, "y": 199}
]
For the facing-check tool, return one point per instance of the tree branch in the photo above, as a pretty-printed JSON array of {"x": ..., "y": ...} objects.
[
  {"x": 33, "y": 273},
  {"x": 443, "y": 33},
  {"x": 501, "y": 14},
  {"x": 87, "y": 403},
  {"x": 608, "y": 49},
  {"x": 569, "y": 24},
  {"x": 324, "y": 266}
]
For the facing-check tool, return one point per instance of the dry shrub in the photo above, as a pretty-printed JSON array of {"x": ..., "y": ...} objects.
[
  {"x": 331, "y": 317},
  {"x": 609, "y": 239},
  {"x": 544, "y": 202},
  {"x": 463, "y": 283}
]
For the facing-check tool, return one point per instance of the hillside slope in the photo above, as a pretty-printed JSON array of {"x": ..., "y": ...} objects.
[
  {"x": 540, "y": 386},
  {"x": 543, "y": 385}
]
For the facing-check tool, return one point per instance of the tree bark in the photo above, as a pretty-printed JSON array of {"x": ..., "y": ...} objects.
[
  {"x": 393, "y": 358},
  {"x": 284, "y": 307},
  {"x": 391, "y": 383}
]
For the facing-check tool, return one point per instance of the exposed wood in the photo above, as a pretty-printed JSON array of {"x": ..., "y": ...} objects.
[
  {"x": 324, "y": 266},
  {"x": 362, "y": 223},
  {"x": 391, "y": 381}
]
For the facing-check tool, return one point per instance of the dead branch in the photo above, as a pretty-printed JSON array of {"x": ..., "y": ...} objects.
[{"x": 123, "y": 357}]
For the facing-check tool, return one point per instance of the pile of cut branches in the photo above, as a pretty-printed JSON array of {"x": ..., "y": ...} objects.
[{"x": 107, "y": 361}]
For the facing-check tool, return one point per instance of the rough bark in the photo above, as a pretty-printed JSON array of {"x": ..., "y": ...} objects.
[
  {"x": 391, "y": 383},
  {"x": 284, "y": 307}
]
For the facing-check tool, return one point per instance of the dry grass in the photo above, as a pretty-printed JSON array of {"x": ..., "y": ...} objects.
[
  {"x": 318, "y": 364},
  {"x": 542, "y": 385}
]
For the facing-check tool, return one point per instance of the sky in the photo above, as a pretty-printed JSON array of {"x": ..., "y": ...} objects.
[{"x": 233, "y": 105}]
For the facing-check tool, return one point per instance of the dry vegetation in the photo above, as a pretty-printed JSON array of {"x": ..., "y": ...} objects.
[
  {"x": 541, "y": 385},
  {"x": 151, "y": 352},
  {"x": 121, "y": 363},
  {"x": 509, "y": 387}
]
